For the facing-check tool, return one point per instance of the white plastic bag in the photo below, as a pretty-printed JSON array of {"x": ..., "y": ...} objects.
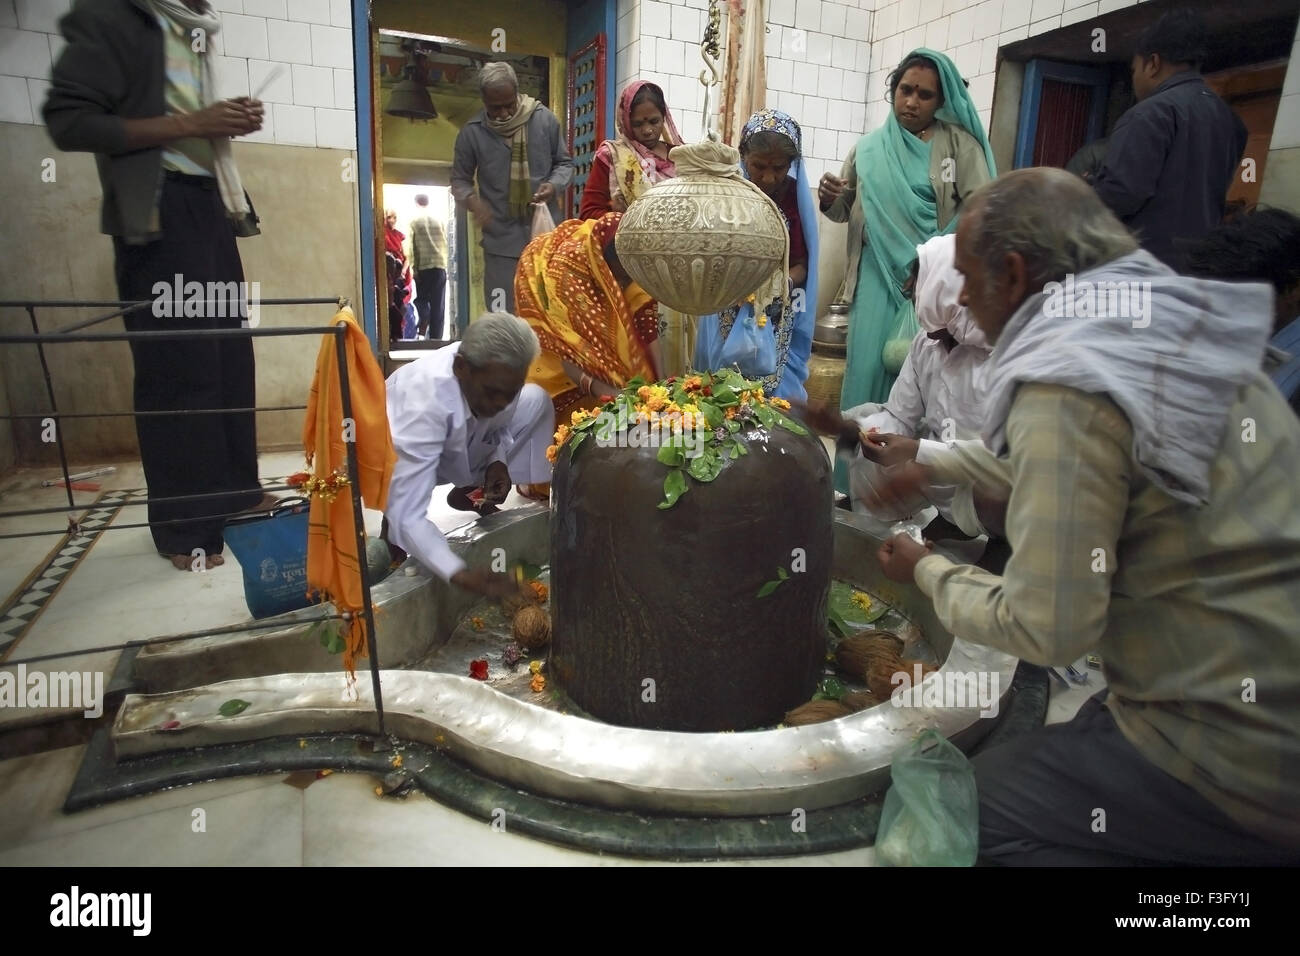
[{"x": 542, "y": 221}]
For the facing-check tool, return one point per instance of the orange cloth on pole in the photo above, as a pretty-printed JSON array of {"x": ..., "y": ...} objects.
[{"x": 333, "y": 562}]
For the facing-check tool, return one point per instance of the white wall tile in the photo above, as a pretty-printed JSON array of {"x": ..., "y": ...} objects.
[
  {"x": 952, "y": 6},
  {"x": 41, "y": 15},
  {"x": 295, "y": 125},
  {"x": 336, "y": 129},
  {"x": 8, "y": 15},
  {"x": 986, "y": 120},
  {"x": 819, "y": 49},
  {"x": 936, "y": 34},
  {"x": 988, "y": 19},
  {"x": 1085, "y": 12},
  {"x": 627, "y": 62},
  {"x": 858, "y": 116},
  {"x": 685, "y": 90},
  {"x": 289, "y": 42},
  {"x": 877, "y": 113},
  {"x": 1015, "y": 13},
  {"x": 228, "y": 6},
  {"x": 624, "y": 6},
  {"x": 814, "y": 112},
  {"x": 1292, "y": 82},
  {"x": 57, "y": 43},
  {"x": 687, "y": 24},
  {"x": 311, "y": 11},
  {"x": 834, "y": 17},
  {"x": 909, "y": 15},
  {"x": 780, "y": 74},
  {"x": 866, "y": 54},
  {"x": 961, "y": 27},
  {"x": 988, "y": 55},
  {"x": 331, "y": 46},
  {"x": 341, "y": 13},
  {"x": 981, "y": 91},
  {"x": 24, "y": 53},
  {"x": 15, "y": 101},
  {"x": 313, "y": 86},
  {"x": 1071, "y": 4},
  {"x": 825, "y": 143},
  {"x": 649, "y": 46},
  {"x": 1286, "y": 127},
  {"x": 1042, "y": 9},
  {"x": 1013, "y": 36},
  {"x": 281, "y": 88},
  {"x": 781, "y": 11},
  {"x": 36, "y": 90},
  {"x": 838, "y": 115},
  {"x": 345, "y": 93},
  {"x": 855, "y": 86},
  {"x": 772, "y": 40},
  {"x": 627, "y": 28},
  {"x": 1046, "y": 25},
  {"x": 929, "y": 10},
  {"x": 913, "y": 39},
  {"x": 698, "y": 4},
  {"x": 267, "y": 8},
  {"x": 1106, "y": 6},
  {"x": 845, "y": 142},
  {"x": 967, "y": 58},
  {"x": 656, "y": 19},
  {"x": 791, "y": 103},
  {"x": 670, "y": 56},
  {"x": 244, "y": 36},
  {"x": 232, "y": 76},
  {"x": 857, "y": 24},
  {"x": 891, "y": 51},
  {"x": 830, "y": 81},
  {"x": 808, "y": 14}
]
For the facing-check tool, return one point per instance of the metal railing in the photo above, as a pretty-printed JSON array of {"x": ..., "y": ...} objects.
[{"x": 75, "y": 333}]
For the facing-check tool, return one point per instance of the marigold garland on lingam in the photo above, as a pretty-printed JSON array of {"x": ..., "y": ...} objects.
[{"x": 716, "y": 406}]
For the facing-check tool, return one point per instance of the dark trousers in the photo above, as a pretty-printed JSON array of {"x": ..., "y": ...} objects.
[
  {"x": 430, "y": 290},
  {"x": 1043, "y": 796},
  {"x": 191, "y": 454}
]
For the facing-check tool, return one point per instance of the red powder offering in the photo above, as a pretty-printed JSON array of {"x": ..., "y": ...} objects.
[{"x": 478, "y": 670}]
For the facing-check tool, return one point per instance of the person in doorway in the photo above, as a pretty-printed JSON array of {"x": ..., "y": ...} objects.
[
  {"x": 464, "y": 415},
  {"x": 130, "y": 87},
  {"x": 429, "y": 260},
  {"x": 399, "y": 277},
  {"x": 1172, "y": 157},
  {"x": 515, "y": 149},
  {"x": 1145, "y": 522}
]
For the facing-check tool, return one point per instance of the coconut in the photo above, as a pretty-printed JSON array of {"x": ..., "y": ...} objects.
[
  {"x": 856, "y": 654},
  {"x": 532, "y": 627},
  {"x": 856, "y": 700},
  {"x": 816, "y": 711}
]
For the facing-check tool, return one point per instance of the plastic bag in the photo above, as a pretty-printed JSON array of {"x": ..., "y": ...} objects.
[
  {"x": 748, "y": 347},
  {"x": 900, "y": 339},
  {"x": 931, "y": 813},
  {"x": 272, "y": 550},
  {"x": 542, "y": 221}
]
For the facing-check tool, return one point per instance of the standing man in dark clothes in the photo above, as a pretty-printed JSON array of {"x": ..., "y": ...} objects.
[
  {"x": 134, "y": 86},
  {"x": 1172, "y": 156}
]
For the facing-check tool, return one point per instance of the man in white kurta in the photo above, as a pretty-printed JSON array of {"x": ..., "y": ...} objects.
[{"x": 464, "y": 416}]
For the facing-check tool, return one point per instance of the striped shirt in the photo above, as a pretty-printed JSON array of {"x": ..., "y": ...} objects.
[
  {"x": 1195, "y": 611},
  {"x": 183, "y": 91},
  {"x": 428, "y": 244}
]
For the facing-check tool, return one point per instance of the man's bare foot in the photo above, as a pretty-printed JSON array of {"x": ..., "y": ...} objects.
[{"x": 185, "y": 562}]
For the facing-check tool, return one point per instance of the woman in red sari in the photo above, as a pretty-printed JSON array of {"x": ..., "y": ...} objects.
[
  {"x": 626, "y": 167},
  {"x": 398, "y": 273}
]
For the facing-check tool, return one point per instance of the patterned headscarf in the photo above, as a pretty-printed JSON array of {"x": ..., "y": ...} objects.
[{"x": 772, "y": 121}]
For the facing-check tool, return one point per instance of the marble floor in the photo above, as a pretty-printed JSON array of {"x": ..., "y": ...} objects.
[{"x": 121, "y": 590}]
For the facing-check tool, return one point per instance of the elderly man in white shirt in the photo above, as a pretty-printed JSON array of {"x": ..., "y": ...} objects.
[
  {"x": 464, "y": 416},
  {"x": 937, "y": 398}
]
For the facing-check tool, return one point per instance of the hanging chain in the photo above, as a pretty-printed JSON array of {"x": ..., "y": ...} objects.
[{"x": 710, "y": 50}]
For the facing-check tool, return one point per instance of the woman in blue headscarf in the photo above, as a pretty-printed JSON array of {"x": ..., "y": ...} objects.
[
  {"x": 903, "y": 184},
  {"x": 770, "y": 157}
]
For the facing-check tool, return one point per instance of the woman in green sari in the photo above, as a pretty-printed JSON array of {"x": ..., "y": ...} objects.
[{"x": 902, "y": 184}]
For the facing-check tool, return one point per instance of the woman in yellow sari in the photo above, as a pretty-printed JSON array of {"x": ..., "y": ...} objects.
[{"x": 597, "y": 327}]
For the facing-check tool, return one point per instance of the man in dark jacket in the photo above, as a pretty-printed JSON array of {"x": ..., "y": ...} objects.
[
  {"x": 133, "y": 85},
  {"x": 1172, "y": 156}
]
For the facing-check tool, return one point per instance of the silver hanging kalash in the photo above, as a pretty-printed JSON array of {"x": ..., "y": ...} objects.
[{"x": 709, "y": 238}]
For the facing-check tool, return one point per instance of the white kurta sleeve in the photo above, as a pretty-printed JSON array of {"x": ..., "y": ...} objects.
[{"x": 418, "y": 437}]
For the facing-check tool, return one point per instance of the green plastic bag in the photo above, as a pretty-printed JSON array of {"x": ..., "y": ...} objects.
[
  {"x": 900, "y": 339},
  {"x": 931, "y": 813}
]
